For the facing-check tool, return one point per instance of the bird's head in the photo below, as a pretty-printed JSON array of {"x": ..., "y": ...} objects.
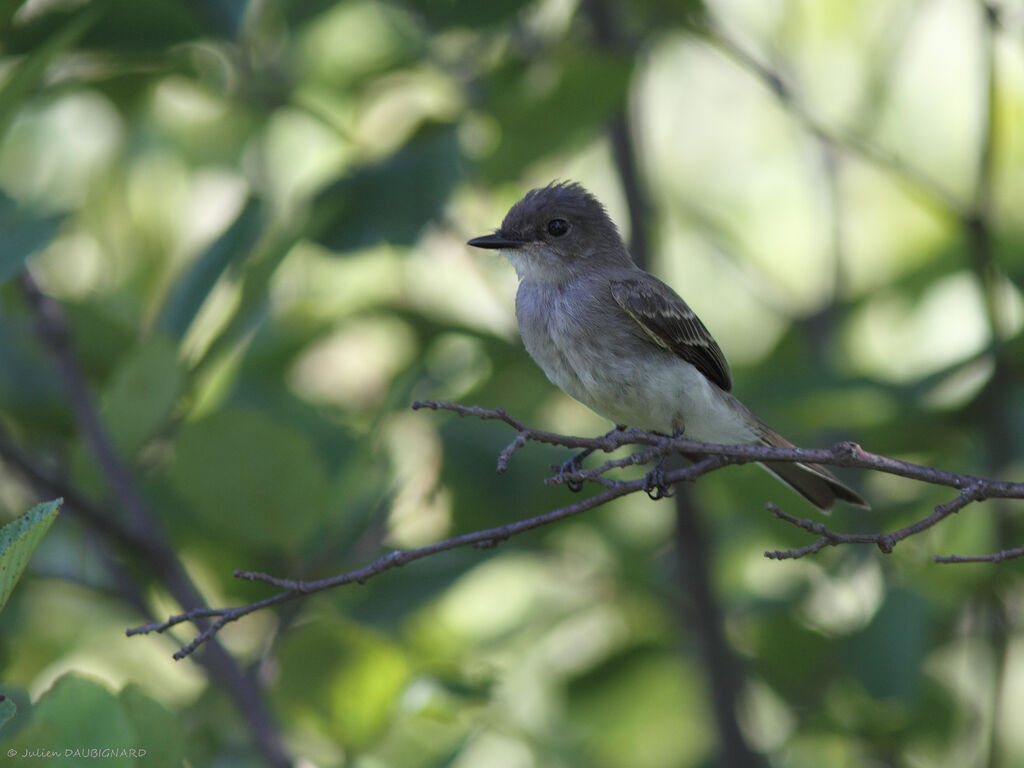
[{"x": 556, "y": 232}]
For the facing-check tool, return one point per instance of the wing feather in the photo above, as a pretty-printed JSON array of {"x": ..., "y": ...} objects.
[{"x": 666, "y": 320}]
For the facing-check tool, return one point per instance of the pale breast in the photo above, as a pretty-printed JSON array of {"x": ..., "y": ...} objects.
[{"x": 592, "y": 351}]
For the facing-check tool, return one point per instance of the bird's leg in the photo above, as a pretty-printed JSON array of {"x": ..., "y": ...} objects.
[
  {"x": 575, "y": 464},
  {"x": 654, "y": 481}
]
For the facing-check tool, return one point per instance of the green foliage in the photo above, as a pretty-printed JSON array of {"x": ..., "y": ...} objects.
[
  {"x": 538, "y": 121},
  {"x": 194, "y": 287},
  {"x": 358, "y": 210},
  {"x": 79, "y": 719},
  {"x": 19, "y": 540},
  {"x": 7, "y": 710},
  {"x": 248, "y": 478},
  {"x": 344, "y": 679},
  {"x": 142, "y": 391},
  {"x": 23, "y": 236},
  {"x": 668, "y": 726}
]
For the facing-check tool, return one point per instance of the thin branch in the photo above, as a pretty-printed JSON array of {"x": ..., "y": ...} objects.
[
  {"x": 884, "y": 541},
  {"x": 844, "y": 454},
  {"x": 484, "y": 539},
  {"x": 996, "y": 399},
  {"x": 971, "y": 489},
  {"x": 995, "y": 557}
]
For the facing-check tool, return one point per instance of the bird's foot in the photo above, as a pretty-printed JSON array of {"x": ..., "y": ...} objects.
[
  {"x": 654, "y": 483},
  {"x": 573, "y": 465}
]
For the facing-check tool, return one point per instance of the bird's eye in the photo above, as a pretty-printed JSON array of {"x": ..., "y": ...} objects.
[{"x": 558, "y": 227}]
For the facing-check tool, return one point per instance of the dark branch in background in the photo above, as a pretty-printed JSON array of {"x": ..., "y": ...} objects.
[
  {"x": 607, "y": 36},
  {"x": 971, "y": 489},
  {"x": 701, "y": 615},
  {"x": 995, "y": 400},
  {"x": 136, "y": 531}
]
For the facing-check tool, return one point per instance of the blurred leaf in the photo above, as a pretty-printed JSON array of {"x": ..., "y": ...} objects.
[
  {"x": 393, "y": 200},
  {"x": 142, "y": 392},
  {"x": 192, "y": 289},
  {"x": 75, "y": 711},
  {"x": 465, "y": 13},
  {"x": 344, "y": 677},
  {"x": 19, "y": 539},
  {"x": 125, "y": 26},
  {"x": 7, "y": 10},
  {"x": 252, "y": 308},
  {"x": 155, "y": 25},
  {"x": 665, "y": 724},
  {"x": 156, "y": 729},
  {"x": 28, "y": 73},
  {"x": 250, "y": 480},
  {"x": 23, "y": 235},
  {"x": 299, "y": 13},
  {"x": 7, "y": 710},
  {"x": 382, "y": 39},
  {"x": 580, "y": 92},
  {"x": 78, "y": 715},
  {"x": 886, "y": 655},
  {"x": 225, "y": 16},
  {"x": 792, "y": 658}
]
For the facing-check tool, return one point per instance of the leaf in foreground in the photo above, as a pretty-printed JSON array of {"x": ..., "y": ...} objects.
[{"x": 19, "y": 539}]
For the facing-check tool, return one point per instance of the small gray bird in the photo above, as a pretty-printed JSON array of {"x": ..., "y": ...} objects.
[{"x": 622, "y": 342}]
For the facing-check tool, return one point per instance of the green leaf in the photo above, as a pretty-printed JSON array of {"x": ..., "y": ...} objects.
[
  {"x": 127, "y": 26},
  {"x": 391, "y": 201},
  {"x": 19, "y": 539},
  {"x": 142, "y": 392},
  {"x": 467, "y": 13},
  {"x": 189, "y": 293},
  {"x": 7, "y": 709},
  {"x": 79, "y": 721},
  {"x": 250, "y": 479},
  {"x": 571, "y": 104},
  {"x": 29, "y": 72},
  {"x": 641, "y": 708},
  {"x": 885, "y": 656},
  {"x": 24, "y": 234},
  {"x": 343, "y": 676},
  {"x": 157, "y": 730},
  {"x": 252, "y": 308}
]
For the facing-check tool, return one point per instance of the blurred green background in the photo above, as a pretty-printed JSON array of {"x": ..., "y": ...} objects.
[{"x": 254, "y": 215}]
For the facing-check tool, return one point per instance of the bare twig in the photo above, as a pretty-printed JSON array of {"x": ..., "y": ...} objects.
[
  {"x": 995, "y": 557},
  {"x": 884, "y": 541},
  {"x": 844, "y": 454},
  {"x": 971, "y": 489},
  {"x": 483, "y": 539}
]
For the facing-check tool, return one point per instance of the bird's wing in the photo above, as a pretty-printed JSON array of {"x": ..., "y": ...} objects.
[{"x": 671, "y": 324}]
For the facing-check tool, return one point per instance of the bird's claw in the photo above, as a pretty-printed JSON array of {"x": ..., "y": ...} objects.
[
  {"x": 654, "y": 483},
  {"x": 569, "y": 467}
]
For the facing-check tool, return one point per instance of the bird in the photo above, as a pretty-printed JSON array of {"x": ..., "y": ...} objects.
[{"x": 622, "y": 342}]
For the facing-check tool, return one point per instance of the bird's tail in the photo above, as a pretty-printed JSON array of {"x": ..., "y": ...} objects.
[{"x": 813, "y": 482}]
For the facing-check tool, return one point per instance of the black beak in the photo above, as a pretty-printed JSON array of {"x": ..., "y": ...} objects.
[{"x": 495, "y": 242}]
